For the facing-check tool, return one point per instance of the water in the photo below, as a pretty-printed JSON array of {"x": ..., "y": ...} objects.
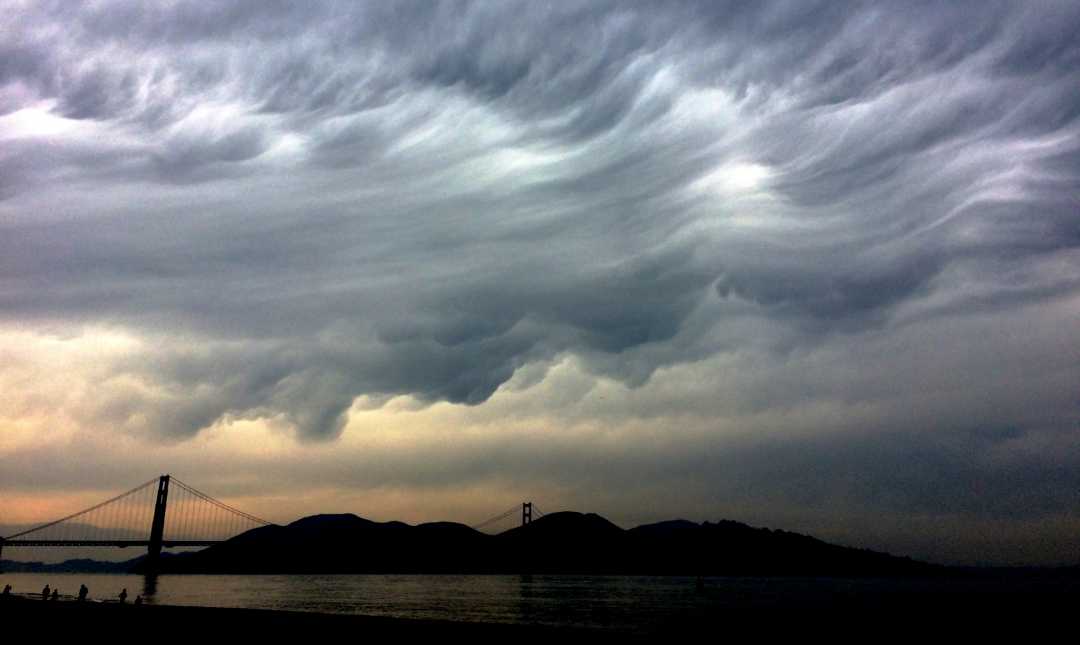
[{"x": 606, "y": 602}]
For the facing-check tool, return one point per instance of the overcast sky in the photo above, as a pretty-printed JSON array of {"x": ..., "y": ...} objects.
[{"x": 813, "y": 266}]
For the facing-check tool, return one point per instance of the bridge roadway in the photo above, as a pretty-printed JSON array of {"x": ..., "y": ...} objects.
[{"x": 120, "y": 543}]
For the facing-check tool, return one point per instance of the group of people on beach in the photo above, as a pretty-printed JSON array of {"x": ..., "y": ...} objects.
[{"x": 54, "y": 594}]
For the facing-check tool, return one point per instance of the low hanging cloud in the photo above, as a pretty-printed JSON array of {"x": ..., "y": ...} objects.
[
  {"x": 287, "y": 207},
  {"x": 422, "y": 199}
]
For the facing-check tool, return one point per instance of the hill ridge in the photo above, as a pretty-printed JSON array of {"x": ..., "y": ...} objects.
[{"x": 562, "y": 542}]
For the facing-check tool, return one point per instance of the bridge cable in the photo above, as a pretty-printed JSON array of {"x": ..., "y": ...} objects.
[
  {"x": 220, "y": 505},
  {"x": 501, "y": 516},
  {"x": 82, "y": 512}
]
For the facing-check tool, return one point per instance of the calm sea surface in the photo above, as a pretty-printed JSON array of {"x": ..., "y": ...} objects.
[{"x": 609, "y": 602}]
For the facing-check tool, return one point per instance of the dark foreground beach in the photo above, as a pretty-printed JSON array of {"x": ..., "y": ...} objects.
[
  {"x": 173, "y": 622},
  {"x": 998, "y": 615}
]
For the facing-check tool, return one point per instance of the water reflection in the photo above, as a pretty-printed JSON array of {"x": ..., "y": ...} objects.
[
  {"x": 149, "y": 587},
  {"x": 610, "y": 602}
]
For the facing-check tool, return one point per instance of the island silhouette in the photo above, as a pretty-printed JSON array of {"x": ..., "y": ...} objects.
[{"x": 558, "y": 543}]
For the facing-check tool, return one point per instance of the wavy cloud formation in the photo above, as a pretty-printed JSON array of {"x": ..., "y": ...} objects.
[{"x": 293, "y": 205}]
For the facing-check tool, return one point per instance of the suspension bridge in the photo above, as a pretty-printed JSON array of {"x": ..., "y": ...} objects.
[
  {"x": 164, "y": 512},
  {"x": 138, "y": 518},
  {"x": 528, "y": 509}
]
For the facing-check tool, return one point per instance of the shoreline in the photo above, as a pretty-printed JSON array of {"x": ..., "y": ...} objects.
[
  {"x": 100, "y": 616},
  {"x": 992, "y": 616}
]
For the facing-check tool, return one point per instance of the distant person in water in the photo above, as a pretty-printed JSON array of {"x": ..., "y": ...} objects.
[
  {"x": 82, "y": 592},
  {"x": 123, "y": 595},
  {"x": 138, "y": 600},
  {"x": 45, "y": 593},
  {"x": 55, "y": 595}
]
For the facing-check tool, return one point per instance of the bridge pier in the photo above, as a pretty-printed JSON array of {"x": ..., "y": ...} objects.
[
  {"x": 157, "y": 526},
  {"x": 526, "y": 513}
]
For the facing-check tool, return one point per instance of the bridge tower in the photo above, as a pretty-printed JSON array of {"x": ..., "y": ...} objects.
[
  {"x": 157, "y": 526},
  {"x": 526, "y": 513}
]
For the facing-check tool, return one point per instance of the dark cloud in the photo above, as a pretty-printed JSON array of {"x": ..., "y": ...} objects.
[
  {"x": 598, "y": 74},
  {"x": 190, "y": 152},
  {"x": 301, "y": 204}
]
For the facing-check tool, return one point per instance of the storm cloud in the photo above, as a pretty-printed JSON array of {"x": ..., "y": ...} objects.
[{"x": 288, "y": 208}]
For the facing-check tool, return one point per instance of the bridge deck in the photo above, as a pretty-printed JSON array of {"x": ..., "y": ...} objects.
[{"x": 119, "y": 543}]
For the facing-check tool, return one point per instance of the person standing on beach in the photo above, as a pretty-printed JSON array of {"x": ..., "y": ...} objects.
[
  {"x": 82, "y": 592},
  {"x": 45, "y": 593},
  {"x": 123, "y": 595},
  {"x": 55, "y": 594},
  {"x": 7, "y": 590}
]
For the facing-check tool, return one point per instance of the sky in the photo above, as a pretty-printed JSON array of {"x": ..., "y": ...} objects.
[{"x": 805, "y": 265}]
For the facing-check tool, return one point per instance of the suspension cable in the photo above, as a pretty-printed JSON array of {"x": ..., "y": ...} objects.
[
  {"x": 221, "y": 505},
  {"x": 500, "y": 516},
  {"x": 82, "y": 512}
]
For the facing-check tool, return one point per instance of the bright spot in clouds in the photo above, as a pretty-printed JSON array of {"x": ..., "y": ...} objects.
[{"x": 734, "y": 179}]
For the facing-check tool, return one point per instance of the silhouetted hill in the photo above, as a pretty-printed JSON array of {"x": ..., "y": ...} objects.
[
  {"x": 563, "y": 528},
  {"x": 735, "y": 548},
  {"x": 665, "y": 528},
  {"x": 79, "y": 565},
  {"x": 565, "y": 542},
  {"x": 344, "y": 543}
]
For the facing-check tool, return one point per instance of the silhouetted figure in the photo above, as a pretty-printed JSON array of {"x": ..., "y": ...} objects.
[
  {"x": 138, "y": 600},
  {"x": 123, "y": 595},
  {"x": 55, "y": 595},
  {"x": 45, "y": 593},
  {"x": 7, "y": 590},
  {"x": 82, "y": 592}
]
